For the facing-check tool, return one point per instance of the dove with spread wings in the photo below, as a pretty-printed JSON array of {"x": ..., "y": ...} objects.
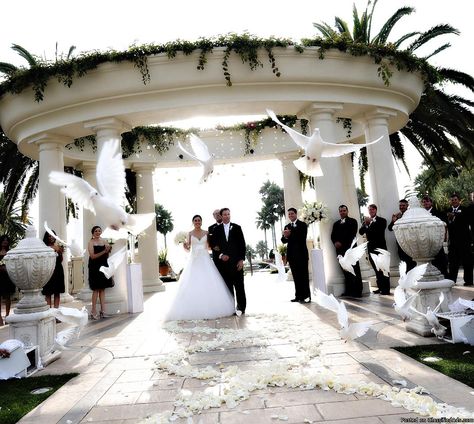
[
  {"x": 382, "y": 261},
  {"x": 78, "y": 319},
  {"x": 200, "y": 154},
  {"x": 409, "y": 279},
  {"x": 113, "y": 262},
  {"x": 76, "y": 250},
  {"x": 437, "y": 329},
  {"x": 348, "y": 331},
  {"x": 316, "y": 148},
  {"x": 106, "y": 201},
  {"x": 352, "y": 256}
]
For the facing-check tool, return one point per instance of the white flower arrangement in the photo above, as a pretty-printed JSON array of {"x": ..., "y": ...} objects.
[
  {"x": 313, "y": 212},
  {"x": 181, "y": 237}
]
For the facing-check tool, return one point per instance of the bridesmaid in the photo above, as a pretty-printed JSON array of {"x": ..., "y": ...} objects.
[{"x": 55, "y": 286}]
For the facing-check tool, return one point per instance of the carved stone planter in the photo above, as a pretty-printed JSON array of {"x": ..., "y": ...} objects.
[{"x": 421, "y": 236}]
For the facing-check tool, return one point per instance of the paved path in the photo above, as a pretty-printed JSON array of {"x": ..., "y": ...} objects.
[{"x": 119, "y": 381}]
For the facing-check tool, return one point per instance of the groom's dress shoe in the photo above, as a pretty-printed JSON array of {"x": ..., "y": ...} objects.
[
  {"x": 294, "y": 300},
  {"x": 376, "y": 292}
]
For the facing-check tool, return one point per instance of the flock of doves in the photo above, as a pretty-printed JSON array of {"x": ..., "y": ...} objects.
[{"x": 107, "y": 200}]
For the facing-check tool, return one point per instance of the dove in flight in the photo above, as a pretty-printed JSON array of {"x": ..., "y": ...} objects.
[
  {"x": 78, "y": 319},
  {"x": 107, "y": 201},
  {"x": 279, "y": 266},
  {"x": 113, "y": 262},
  {"x": 409, "y": 280},
  {"x": 347, "y": 331},
  {"x": 352, "y": 256},
  {"x": 76, "y": 250},
  {"x": 437, "y": 329},
  {"x": 403, "y": 304},
  {"x": 382, "y": 261},
  {"x": 316, "y": 148},
  {"x": 200, "y": 154}
]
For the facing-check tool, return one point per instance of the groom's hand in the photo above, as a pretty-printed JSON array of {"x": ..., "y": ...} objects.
[
  {"x": 240, "y": 265},
  {"x": 224, "y": 258}
]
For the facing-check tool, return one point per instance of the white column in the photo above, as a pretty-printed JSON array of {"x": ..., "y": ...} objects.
[
  {"x": 116, "y": 301},
  {"x": 291, "y": 181},
  {"x": 88, "y": 221},
  {"x": 334, "y": 188},
  {"x": 147, "y": 242},
  {"x": 52, "y": 203},
  {"x": 383, "y": 179}
]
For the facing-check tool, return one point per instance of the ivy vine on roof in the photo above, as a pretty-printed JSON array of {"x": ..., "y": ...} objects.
[{"x": 248, "y": 47}]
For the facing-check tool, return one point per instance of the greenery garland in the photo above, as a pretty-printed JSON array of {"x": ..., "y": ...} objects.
[{"x": 246, "y": 46}]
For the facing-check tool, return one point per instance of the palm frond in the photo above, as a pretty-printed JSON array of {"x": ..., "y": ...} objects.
[
  {"x": 8, "y": 68},
  {"x": 325, "y": 30},
  {"x": 439, "y": 49},
  {"x": 25, "y": 54},
  {"x": 382, "y": 36},
  {"x": 405, "y": 37},
  {"x": 433, "y": 32}
]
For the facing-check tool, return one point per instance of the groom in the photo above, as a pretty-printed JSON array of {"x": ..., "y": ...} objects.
[{"x": 228, "y": 252}]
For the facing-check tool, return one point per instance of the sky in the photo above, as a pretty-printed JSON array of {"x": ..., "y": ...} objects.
[{"x": 100, "y": 25}]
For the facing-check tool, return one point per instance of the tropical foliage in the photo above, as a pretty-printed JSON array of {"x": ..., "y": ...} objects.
[
  {"x": 273, "y": 209},
  {"x": 261, "y": 249},
  {"x": 11, "y": 223},
  {"x": 164, "y": 220}
]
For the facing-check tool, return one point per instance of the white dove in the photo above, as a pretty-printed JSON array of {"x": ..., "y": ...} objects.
[
  {"x": 315, "y": 148},
  {"x": 114, "y": 262},
  {"x": 74, "y": 247},
  {"x": 403, "y": 304},
  {"x": 201, "y": 154},
  {"x": 352, "y": 256},
  {"x": 348, "y": 331},
  {"x": 78, "y": 319},
  {"x": 409, "y": 280},
  {"x": 430, "y": 315},
  {"x": 279, "y": 266},
  {"x": 107, "y": 201},
  {"x": 460, "y": 305},
  {"x": 382, "y": 261}
]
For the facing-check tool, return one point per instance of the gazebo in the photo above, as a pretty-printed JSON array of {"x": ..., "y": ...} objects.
[{"x": 112, "y": 99}]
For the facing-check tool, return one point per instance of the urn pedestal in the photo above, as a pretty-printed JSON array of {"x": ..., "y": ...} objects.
[
  {"x": 421, "y": 236},
  {"x": 30, "y": 266}
]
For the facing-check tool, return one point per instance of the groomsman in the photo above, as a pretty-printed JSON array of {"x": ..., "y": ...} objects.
[
  {"x": 229, "y": 247},
  {"x": 294, "y": 234},
  {"x": 402, "y": 207},
  {"x": 343, "y": 233},
  {"x": 459, "y": 247},
  {"x": 374, "y": 229},
  {"x": 211, "y": 232}
]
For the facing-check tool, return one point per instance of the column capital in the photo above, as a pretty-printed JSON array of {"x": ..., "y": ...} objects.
[
  {"x": 48, "y": 141},
  {"x": 143, "y": 167},
  {"x": 318, "y": 108},
  {"x": 107, "y": 124},
  {"x": 379, "y": 113}
]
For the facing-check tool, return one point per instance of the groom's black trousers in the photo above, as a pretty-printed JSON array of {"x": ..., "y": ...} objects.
[{"x": 234, "y": 280}]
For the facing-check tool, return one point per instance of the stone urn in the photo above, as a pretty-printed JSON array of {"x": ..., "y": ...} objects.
[
  {"x": 30, "y": 266},
  {"x": 421, "y": 236}
]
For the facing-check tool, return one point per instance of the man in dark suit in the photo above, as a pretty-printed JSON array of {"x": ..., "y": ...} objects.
[
  {"x": 343, "y": 233},
  {"x": 440, "y": 261},
  {"x": 210, "y": 234},
  {"x": 229, "y": 247},
  {"x": 459, "y": 247},
  {"x": 294, "y": 234},
  {"x": 374, "y": 229},
  {"x": 402, "y": 207}
]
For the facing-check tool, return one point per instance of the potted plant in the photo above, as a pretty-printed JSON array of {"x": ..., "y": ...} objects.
[
  {"x": 163, "y": 262},
  {"x": 282, "y": 251}
]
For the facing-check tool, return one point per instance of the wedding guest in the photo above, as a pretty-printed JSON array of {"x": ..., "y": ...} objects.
[
  {"x": 373, "y": 227},
  {"x": 294, "y": 234},
  {"x": 210, "y": 234},
  {"x": 55, "y": 286},
  {"x": 343, "y": 233},
  {"x": 440, "y": 261},
  {"x": 98, "y": 250},
  {"x": 459, "y": 244},
  {"x": 7, "y": 288},
  {"x": 402, "y": 208}
]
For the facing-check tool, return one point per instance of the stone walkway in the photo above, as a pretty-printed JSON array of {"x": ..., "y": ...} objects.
[{"x": 119, "y": 381}]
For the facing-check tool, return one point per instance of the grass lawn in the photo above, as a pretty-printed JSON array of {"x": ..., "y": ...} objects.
[
  {"x": 455, "y": 363},
  {"x": 16, "y": 399}
]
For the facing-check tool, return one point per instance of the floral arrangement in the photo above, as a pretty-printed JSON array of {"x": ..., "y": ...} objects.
[
  {"x": 181, "y": 237},
  {"x": 313, "y": 212}
]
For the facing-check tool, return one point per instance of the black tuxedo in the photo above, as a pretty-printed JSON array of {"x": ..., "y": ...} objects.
[
  {"x": 234, "y": 247},
  {"x": 401, "y": 253},
  {"x": 211, "y": 242},
  {"x": 375, "y": 233},
  {"x": 440, "y": 261},
  {"x": 459, "y": 247},
  {"x": 297, "y": 256},
  {"x": 344, "y": 233}
]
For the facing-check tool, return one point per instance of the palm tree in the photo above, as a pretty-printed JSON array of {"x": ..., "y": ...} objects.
[
  {"x": 440, "y": 119},
  {"x": 261, "y": 249},
  {"x": 164, "y": 220},
  {"x": 11, "y": 223},
  {"x": 262, "y": 224}
]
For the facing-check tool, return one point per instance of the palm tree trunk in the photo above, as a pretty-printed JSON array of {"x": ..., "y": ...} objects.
[{"x": 164, "y": 236}]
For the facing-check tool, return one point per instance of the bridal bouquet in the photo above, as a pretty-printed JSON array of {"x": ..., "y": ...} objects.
[
  {"x": 313, "y": 212},
  {"x": 181, "y": 237}
]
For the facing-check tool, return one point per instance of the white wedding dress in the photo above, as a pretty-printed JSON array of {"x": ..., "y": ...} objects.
[{"x": 202, "y": 292}]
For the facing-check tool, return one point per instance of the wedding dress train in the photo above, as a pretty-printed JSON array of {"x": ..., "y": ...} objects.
[{"x": 202, "y": 293}]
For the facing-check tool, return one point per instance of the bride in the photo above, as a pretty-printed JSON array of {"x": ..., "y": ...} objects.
[{"x": 202, "y": 292}]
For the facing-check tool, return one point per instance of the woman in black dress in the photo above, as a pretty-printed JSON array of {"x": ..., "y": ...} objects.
[
  {"x": 55, "y": 286},
  {"x": 98, "y": 249},
  {"x": 7, "y": 288}
]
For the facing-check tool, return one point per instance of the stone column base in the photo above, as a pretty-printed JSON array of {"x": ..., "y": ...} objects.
[
  {"x": 155, "y": 285},
  {"x": 66, "y": 298}
]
